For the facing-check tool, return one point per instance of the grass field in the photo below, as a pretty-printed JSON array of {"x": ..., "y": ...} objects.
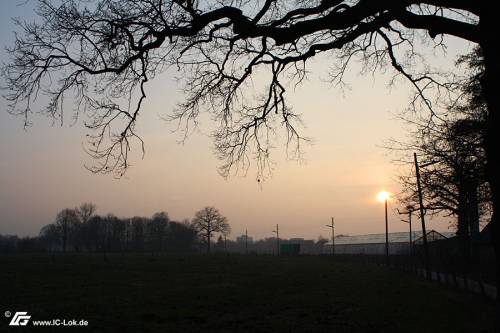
[{"x": 141, "y": 293}]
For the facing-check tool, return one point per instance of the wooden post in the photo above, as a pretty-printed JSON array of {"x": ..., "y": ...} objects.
[
  {"x": 422, "y": 219},
  {"x": 278, "y": 239},
  {"x": 386, "y": 235},
  {"x": 411, "y": 240},
  {"x": 65, "y": 233},
  {"x": 333, "y": 236}
]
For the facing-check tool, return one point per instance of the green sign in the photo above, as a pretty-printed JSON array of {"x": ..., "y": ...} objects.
[{"x": 290, "y": 249}]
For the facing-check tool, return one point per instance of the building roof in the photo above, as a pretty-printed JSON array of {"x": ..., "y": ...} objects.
[
  {"x": 394, "y": 237},
  {"x": 432, "y": 235}
]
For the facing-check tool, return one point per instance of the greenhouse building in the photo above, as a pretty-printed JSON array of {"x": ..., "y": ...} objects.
[{"x": 399, "y": 242}]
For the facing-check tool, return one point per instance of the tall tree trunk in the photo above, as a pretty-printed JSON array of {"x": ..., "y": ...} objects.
[
  {"x": 209, "y": 232},
  {"x": 473, "y": 220},
  {"x": 490, "y": 46},
  {"x": 473, "y": 203},
  {"x": 65, "y": 233},
  {"x": 462, "y": 219}
]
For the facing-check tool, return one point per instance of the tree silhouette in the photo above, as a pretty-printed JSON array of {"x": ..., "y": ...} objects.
[
  {"x": 67, "y": 223},
  {"x": 113, "y": 234},
  {"x": 452, "y": 149},
  {"x": 181, "y": 237},
  {"x": 103, "y": 53},
  {"x": 85, "y": 211},
  {"x": 156, "y": 230},
  {"x": 453, "y": 178},
  {"x": 208, "y": 221},
  {"x": 138, "y": 233},
  {"x": 50, "y": 236}
]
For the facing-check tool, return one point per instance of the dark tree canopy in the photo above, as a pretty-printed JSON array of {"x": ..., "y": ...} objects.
[
  {"x": 208, "y": 221},
  {"x": 85, "y": 211},
  {"x": 99, "y": 55},
  {"x": 74, "y": 231},
  {"x": 452, "y": 149},
  {"x": 453, "y": 175}
]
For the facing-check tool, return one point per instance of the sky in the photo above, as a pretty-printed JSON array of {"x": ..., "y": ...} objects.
[{"x": 42, "y": 168}]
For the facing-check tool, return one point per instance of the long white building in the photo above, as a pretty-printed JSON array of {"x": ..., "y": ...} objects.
[{"x": 399, "y": 242}]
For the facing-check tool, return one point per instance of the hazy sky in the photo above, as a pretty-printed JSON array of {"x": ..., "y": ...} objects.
[{"x": 41, "y": 169}]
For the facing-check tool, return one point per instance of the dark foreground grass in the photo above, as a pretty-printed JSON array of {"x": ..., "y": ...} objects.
[{"x": 140, "y": 293}]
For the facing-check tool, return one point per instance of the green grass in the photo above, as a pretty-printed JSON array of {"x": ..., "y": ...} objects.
[{"x": 140, "y": 293}]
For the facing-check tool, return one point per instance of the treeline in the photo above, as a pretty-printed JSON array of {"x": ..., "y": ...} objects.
[
  {"x": 80, "y": 230},
  {"x": 451, "y": 153},
  {"x": 269, "y": 245}
]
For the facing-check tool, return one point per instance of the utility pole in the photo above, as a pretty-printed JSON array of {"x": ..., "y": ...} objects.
[
  {"x": 225, "y": 242},
  {"x": 209, "y": 232},
  {"x": 333, "y": 236},
  {"x": 384, "y": 197},
  {"x": 277, "y": 239},
  {"x": 409, "y": 210},
  {"x": 386, "y": 235},
  {"x": 246, "y": 241},
  {"x": 411, "y": 240},
  {"x": 65, "y": 232},
  {"x": 422, "y": 219}
]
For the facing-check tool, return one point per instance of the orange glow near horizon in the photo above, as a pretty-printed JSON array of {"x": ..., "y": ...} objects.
[
  {"x": 340, "y": 171},
  {"x": 382, "y": 196}
]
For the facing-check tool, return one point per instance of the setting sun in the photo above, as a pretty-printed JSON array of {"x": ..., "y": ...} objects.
[{"x": 383, "y": 196}]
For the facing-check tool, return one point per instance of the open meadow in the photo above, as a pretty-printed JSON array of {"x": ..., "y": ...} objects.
[{"x": 234, "y": 293}]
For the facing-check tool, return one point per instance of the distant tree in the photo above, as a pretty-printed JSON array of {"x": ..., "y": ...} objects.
[
  {"x": 180, "y": 237},
  {"x": 29, "y": 244},
  {"x": 50, "y": 237},
  {"x": 226, "y": 230},
  {"x": 137, "y": 233},
  {"x": 219, "y": 245},
  {"x": 85, "y": 211},
  {"x": 8, "y": 243},
  {"x": 156, "y": 230},
  {"x": 116, "y": 232},
  {"x": 106, "y": 232},
  {"x": 266, "y": 245},
  {"x": 95, "y": 231},
  {"x": 67, "y": 223},
  {"x": 208, "y": 221},
  {"x": 127, "y": 225}
]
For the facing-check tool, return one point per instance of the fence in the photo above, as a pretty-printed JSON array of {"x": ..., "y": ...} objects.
[{"x": 472, "y": 270}]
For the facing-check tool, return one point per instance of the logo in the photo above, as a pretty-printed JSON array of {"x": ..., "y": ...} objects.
[{"x": 20, "y": 319}]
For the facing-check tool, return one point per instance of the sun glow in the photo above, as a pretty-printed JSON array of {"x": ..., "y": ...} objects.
[{"x": 383, "y": 196}]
